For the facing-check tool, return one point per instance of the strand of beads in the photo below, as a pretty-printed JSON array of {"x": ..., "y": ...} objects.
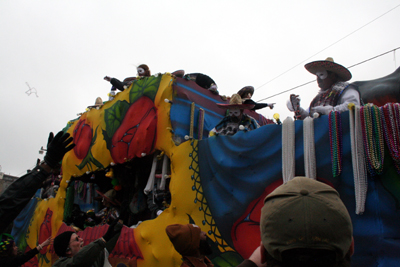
[
  {"x": 373, "y": 138},
  {"x": 390, "y": 117},
  {"x": 335, "y": 139}
]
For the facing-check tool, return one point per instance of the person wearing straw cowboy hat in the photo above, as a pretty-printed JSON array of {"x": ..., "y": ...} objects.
[
  {"x": 335, "y": 92},
  {"x": 97, "y": 104},
  {"x": 236, "y": 119}
]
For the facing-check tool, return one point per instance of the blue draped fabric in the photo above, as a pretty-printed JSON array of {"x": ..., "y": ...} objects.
[
  {"x": 187, "y": 92},
  {"x": 235, "y": 170},
  {"x": 84, "y": 197},
  {"x": 21, "y": 223}
]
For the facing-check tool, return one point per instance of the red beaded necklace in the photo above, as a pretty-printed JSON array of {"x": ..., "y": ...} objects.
[{"x": 391, "y": 123}]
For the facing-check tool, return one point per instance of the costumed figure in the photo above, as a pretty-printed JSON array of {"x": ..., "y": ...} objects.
[
  {"x": 142, "y": 71},
  {"x": 335, "y": 92},
  {"x": 203, "y": 81},
  {"x": 178, "y": 73},
  {"x": 10, "y": 255},
  {"x": 97, "y": 104},
  {"x": 235, "y": 120},
  {"x": 110, "y": 212},
  {"x": 246, "y": 93},
  {"x": 191, "y": 243}
]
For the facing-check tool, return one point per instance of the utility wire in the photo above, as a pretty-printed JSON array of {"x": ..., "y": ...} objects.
[
  {"x": 393, "y": 50},
  {"x": 313, "y": 56},
  {"x": 328, "y": 47},
  {"x": 298, "y": 86}
]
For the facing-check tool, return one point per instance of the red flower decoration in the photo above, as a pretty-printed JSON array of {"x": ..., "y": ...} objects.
[
  {"x": 83, "y": 135},
  {"x": 137, "y": 133}
]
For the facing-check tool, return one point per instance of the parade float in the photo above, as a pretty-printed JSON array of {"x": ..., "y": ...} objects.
[{"x": 154, "y": 136}]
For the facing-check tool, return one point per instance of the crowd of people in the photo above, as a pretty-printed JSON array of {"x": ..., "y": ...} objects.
[
  {"x": 19, "y": 193},
  {"x": 296, "y": 220}
]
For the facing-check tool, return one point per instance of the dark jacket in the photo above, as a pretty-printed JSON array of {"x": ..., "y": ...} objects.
[
  {"x": 18, "y": 194},
  {"x": 18, "y": 260},
  {"x": 90, "y": 255}
]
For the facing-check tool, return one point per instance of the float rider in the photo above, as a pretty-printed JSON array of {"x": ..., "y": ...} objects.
[
  {"x": 236, "y": 119},
  {"x": 335, "y": 92}
]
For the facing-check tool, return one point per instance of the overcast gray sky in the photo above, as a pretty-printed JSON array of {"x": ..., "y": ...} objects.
[{"x": 63, "y": 49}]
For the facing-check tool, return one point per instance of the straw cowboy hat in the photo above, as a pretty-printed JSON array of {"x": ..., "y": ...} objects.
[
  {"x": 236, "y": 102},
  {"x": 328, "y": 64},
  {"x": 98, "y": 103},
  {"x": 110, "y": 196}
]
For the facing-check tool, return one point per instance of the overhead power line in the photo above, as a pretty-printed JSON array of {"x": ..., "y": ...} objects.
[
  {"x": 341, "y": 39},
  {"x": 298, "y": 86}
]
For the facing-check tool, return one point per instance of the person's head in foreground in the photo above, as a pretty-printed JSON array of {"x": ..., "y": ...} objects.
[
  {"x": 67, "y": 244},
  {"x": 188, "y": 240},
  {"x": 305, "y": 223}
]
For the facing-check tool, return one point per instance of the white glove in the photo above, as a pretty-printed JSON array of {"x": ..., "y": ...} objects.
[
  {"x": 159, "y": 212},
  {"x": 289, "y": 105},
  {"x": 324, "y": 110}
]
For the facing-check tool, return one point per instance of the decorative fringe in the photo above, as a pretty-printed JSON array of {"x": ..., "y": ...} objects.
[
  {"x": 150, "y": 182},
  {"x": 192, "y": 106},
  {"x": 200, "y": 124},
  {"x": 358, "y": 159},
  {"x": 309, "y": 148},
  {"x": 391, "y": 125},
  {"x": 288, "y": 155},
  {"x": 164, "y": 172},
  {"x": 69, "y": 200}
]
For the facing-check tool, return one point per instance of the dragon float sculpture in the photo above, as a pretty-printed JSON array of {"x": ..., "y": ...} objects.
[{"x": 219, "y": 183}]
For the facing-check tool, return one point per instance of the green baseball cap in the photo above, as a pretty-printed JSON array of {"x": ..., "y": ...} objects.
[{"x": 304, "y": 213}]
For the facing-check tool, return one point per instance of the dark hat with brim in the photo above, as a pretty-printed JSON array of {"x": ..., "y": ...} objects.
[
  {"x": 329, "y": 65},
  {"x": 236, "y": 102},
  {"x": 246, "y": 90},
  {"x": 256, "y": 105}
]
